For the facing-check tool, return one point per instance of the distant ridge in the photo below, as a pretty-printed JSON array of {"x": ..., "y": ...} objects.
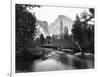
[{"x": 54, "y": 27}]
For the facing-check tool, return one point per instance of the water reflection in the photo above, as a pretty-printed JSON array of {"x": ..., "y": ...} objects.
[{"x": 56, "y": 61}]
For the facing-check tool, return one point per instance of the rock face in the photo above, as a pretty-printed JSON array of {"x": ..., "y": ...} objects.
[
  {"x": 44, "y": 25},
  {"x": 42, "y": 28},
  {"x": 54, "y": 28}
]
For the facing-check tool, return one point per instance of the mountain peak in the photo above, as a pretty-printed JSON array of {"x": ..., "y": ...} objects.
[{"x": 54, "y": 28}]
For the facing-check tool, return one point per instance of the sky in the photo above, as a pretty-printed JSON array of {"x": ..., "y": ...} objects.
[{"x": 49, "y": 14}]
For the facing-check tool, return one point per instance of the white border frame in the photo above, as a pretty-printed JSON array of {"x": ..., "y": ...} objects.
[{"x": 13, "y": 74}]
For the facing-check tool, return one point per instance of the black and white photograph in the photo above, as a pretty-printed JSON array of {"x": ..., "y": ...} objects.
[{"x": 53, "y": 38}]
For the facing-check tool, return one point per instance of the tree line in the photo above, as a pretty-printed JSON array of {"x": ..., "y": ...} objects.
[{"x": 82, "y": 31}]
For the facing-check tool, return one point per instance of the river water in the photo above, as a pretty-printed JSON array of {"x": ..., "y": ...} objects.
[{"x": 58, "y": 61}]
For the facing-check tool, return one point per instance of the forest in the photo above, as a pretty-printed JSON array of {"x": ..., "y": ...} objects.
[{"x": 77, "y": 47}]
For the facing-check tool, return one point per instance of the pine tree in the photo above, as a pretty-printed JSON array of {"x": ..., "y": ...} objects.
[
  {"x": 66, "y": 35},
  {"x": 42, "y": 39},
  {"x": 83, "y": 32},
  {"x": 25, "y": 26}
]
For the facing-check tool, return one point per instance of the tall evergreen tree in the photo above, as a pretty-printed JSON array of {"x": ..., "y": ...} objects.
[
  {"x": 42, "y": 39},
  {"x": 66, "y": 35},
  {"x": 25, "y": 25},
  {"x": 83, "y": 32}
]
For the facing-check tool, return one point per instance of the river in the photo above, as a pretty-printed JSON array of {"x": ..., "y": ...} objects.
[{"x": 57, "y": 60}]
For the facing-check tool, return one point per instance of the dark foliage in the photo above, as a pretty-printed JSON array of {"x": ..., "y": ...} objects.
[
  {"x": 42, "y": 39},
  {"x": 48, "y": 38},
  {"x": 66, "y": 35},
  {"x": 83, "y": 32},
  {"x": 25, "y": 26},
  {"x": 77, "y": 30}
]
